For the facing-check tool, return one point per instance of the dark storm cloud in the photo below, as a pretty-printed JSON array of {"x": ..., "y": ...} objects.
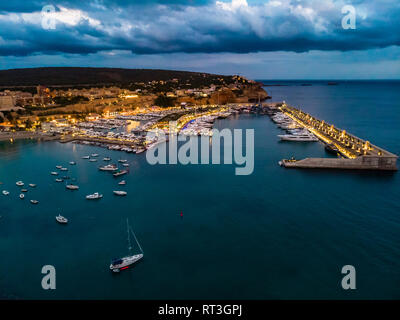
[{"x": 169, "y": 26}]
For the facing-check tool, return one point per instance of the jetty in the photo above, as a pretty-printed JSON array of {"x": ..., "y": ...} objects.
[{"x": 357, "y": 153}]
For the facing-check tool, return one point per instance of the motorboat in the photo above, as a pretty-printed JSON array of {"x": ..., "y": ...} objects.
[
  {"x": 109, "y": 167},
  {"x": 106, "y": 159},
  {"x": 72, "y": 187},
  {"x": 298, "y": 137},
  {"x": 32, "y": 185},
  {"x": 86, "y": 157},
  {"x": 72, "y": 163},
  {"x": 21, "y": 196},
  {"x": 24, "y": 190},
  {"x": 122, "y": 160},
  {"x": 120, "y": 193},
  {"x": 94, "y": 196},
  {"x": 58, "y": 180},
  {"x": 64, "y": 169},
  {"x": 93, "y": 160},
  {"x": 120, "y": 173},
  {"x": 61, "y": 219},
  {"x": 94, "y": 155},
  {"x": 122, "y": 183},
  {"x": 54, "y": 173},
  {"x": 34, "y": 201},
  {"x": 19, "y": 183},
  {"x": 125, "y": 164},
  {"x": 58, "y": 167},
  {"x": 5, "y": 192}
]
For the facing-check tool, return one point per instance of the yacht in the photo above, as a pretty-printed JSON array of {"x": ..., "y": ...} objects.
[
  {"x": 24, "y": 190},
  {"x": 21, "y": 196},
  {"x": 32, "y": 185},
  {"x": 125, "y": 164},
  {"x": 109, "y": 167},
  {"x": 72, "y": 187},
  {"x": 61, "y": 219},
  {"x": 72, "y": 163},
  {"x": 54, "y": 173},
  {"x": 106, "y": 159},
  {"x": 86, "y": 157},
  {"x": 94, "y": 196},
  {"x": 64, "y": 169},
  {"x": 58, "y": 167},
  {"x": 122, "y": 183},
  {"x": 58, "y": 180},
  {"x": 5, "y": 192},
  {"x": 19, "y": 183},
  {"x": 94, "y": 155},
  {"x": 120, "y": 173},
  {"x": 124, "y": 263},
  {"x": 93, "y": 160},
  {"x": 297, "y": 137},
  {"x": 34, "y": 201},
  {"x": 122, "y": 160},
  {"x": 120, "y": 193}
]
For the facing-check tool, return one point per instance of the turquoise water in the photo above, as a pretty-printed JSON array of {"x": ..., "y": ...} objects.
[{"x": 275, "y": 234}]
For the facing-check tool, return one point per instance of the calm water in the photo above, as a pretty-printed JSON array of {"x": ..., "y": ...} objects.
[{"x": 276, "y": 234}]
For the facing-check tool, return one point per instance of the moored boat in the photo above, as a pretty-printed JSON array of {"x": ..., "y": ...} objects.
[
  {"x": 5, "y": 192},
  {"x": 120, "y": 173},
  {"x": 120, "y": 193},
  {"x": 109, "y": 167},
  {"x": 61, "y": 219},
  {"x": 19, "y": 183},
  {"x": 21, "y": 196},
  {"x": 94, "y": 196},
  {"x": 72, "y": 187},
  {"x": 54, "y": 173},
  {"x": 34, "y": 201},
  {"x": 32, "y": 185}
]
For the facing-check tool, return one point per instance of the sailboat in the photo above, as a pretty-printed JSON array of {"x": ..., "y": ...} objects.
[{"x": 124, "y": 263}]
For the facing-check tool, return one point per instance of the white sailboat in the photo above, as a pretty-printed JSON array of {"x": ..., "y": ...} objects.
[{"x": 124, "y": 263}]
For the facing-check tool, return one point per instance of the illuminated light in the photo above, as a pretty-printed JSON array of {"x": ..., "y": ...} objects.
[{"x": 124, "y": 268}]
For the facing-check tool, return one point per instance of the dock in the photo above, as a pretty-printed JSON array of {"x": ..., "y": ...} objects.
[{"x": 357, "y": 153}]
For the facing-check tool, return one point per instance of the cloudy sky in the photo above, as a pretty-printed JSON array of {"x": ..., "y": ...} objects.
[{"x": 262, "y": 39}]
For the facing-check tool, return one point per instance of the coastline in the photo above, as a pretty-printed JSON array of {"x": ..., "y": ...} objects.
[{"x": 10, "y": 136}]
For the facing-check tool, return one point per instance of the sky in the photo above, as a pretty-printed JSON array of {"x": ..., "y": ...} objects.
[{"x": 270, "y": 39}]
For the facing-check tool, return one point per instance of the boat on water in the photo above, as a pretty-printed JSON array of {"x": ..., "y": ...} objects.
[
  {"x": 120, "y": 193},
  {"x": 64, "y": 169},
  {"x": 5, "y": 192},
  {"x": 61, "y": 219},
  {"x": 122, "y": 160},
  {"x": 109, "y": 167},
  {"x": 140, "y": 150},
  {"x": 94, "y": 196},
  {"x": 24, "y": 190},
  {"x": 94, "y": 155},
  {"x": 125, "y": 164},
  {"x": 54, "y": 173},
  {"x": 93, "y": 160},
  {"x": 58, "y": 180},
  {"x": 120, "y": 173},
  {"x": 32, "y": 185},
  {"x": 86, "y": 157},
  {"x": 72, "y": 187},
  {"x": 21, "y": 196},
  {"x": 106, "y": 159},
  {"x": 72, "y": 163},
  {"x": 58, "y": 167},
  {"x": 124, "y": 263},
  {"x": 34, "y": 201},
  {"x": 331, "y": 148},
  {"x": 19, "y": 183},
  {"x": 298, "y": 137},
  {"x": 122, "y": 183}
]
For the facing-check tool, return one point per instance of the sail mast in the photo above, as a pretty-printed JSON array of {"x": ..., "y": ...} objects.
[
  {"x": 129, "y": 238},
  {"x": 141, "y": 250}
]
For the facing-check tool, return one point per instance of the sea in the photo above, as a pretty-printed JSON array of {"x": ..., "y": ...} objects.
[{"x": 207, "y": 233}]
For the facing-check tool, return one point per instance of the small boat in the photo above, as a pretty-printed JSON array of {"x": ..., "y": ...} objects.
[
  {"x": 94, "y": 196},
  {"x": 106, "y": 159},
  {"x": 61, "y": 219},
  {"x": 94, "y": 155},
  {"x": 122, "y": 183},
  {"x": 122, "y": 160},
  {"x": 72, "y": 187},
  {"x": 19, "y": 183},
  {"x": 24, "y": 190},
  {"x": 125, "y": 164},
  {"x": 32, "y": 185},
  {"x": 64, "y": 169},
  {"x": 109, "y": 167},
  {"x": 21, "y": 196},
  {"x": 58, "y": 180},
  {"x": 5, "y": 192},
  {"x": 93, "y": 160},
  {"x": 72, "y": 163},
  {"x": 120, "y": 193},
  {"x": 54, "y": 173},
  {"x": 120, "y": 173},
  {"x": 34, "y": 201},
  {"x": 124, "y": 263},
  {"x": 140, "y": 150},
  {"x": 58, "y": 167},
  {"x": 86, "y": 157}
]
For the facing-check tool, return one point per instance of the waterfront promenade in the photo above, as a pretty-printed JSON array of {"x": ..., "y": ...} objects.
[{"x": 11, "y": 136}]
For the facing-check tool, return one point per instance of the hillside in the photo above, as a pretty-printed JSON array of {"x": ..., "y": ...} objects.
[{"x": 66, "y": 76}]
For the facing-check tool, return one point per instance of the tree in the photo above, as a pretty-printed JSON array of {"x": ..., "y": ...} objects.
[{"x": 164, "y": 102}]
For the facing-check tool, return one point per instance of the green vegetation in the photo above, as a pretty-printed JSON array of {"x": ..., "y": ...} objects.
[
  {"x": 164, "y": 102},
  {"x": 64, "y": 101}
]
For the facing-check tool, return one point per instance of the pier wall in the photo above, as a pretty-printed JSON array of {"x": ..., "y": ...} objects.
[{"x": 359, "y": 163}]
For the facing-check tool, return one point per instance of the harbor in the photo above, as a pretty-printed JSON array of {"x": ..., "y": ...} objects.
[{"x": 353, "y": 152}]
